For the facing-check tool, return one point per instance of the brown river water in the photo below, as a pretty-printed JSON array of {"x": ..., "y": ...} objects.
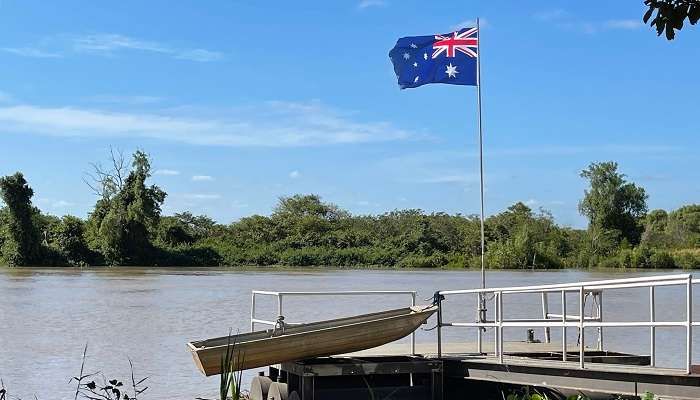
[{"x": 149, "y": 314}]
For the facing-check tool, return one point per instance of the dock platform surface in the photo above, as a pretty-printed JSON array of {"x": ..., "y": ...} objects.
[
  {"x": 465, "y": 348},
  {"x": 540, "y": 364}
]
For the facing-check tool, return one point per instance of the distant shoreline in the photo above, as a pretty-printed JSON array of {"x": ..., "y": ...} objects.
[{"x": 283, "y": 268}]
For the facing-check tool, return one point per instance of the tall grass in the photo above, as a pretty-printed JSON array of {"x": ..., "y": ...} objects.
[
  {"x": 230, "y": 381},
  {"x": 231, "y": 376}
]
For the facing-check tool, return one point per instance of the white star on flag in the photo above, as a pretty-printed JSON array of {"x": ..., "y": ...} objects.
[
  {"x": 425, "y": 56},
  {"x": 406, "y": 56},
  {"x": 413, "y": 46},
  {"x": 451, "y": 71},
  {"x": 415, "y": 64}
]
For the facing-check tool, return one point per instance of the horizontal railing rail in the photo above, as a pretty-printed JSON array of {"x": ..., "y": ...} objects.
[
  {"x": 280, "y": 295},
  {"x": 580, "y": 321}
]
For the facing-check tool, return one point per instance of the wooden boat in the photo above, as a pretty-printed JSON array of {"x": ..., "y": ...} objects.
[{"x": 317, "y": 339}]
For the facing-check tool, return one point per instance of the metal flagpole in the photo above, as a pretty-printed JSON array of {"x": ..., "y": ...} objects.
[
  {"x": 482, "y": 299},
  {"x": 481, "y": 150}
]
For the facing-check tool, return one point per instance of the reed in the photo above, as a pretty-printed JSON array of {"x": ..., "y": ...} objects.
[{"x": 230, "y": 381}]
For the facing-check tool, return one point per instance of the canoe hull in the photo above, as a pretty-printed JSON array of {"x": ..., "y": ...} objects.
[{"x": 319, "y": 339}]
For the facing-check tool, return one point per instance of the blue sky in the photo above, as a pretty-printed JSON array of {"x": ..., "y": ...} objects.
[{"x": 239, "y": 103}]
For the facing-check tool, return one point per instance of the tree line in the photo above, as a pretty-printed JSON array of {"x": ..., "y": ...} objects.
[{"x": 126, "y": 228}]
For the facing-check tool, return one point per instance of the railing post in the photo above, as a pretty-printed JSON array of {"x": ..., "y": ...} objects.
[
  {"x": 252, "y": 311},
  {"x": 652, "y": 328},
  {"x": 581, "y": 308},
  {"x": 438, "y": 300},
  {"x": 600, "y": 318},
  {"x": 500, "y": 327},
  {"x": 545, "y": 315},
  {"x": 495, "y": 324},
  {"x": 479, "y": 330},
  {"x": 689, "y": 324},
  {"x": 279, "y": 305},
  {"x": 413, "y": 334},
  {"x": 563, "y": 328}
]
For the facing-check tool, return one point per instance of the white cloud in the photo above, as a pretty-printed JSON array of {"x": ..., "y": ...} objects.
[
  {"x": 109, "y": 44},
  {"x": 431, "y": 158},
  {"x": 169, "y": 172},
  {"x": 202, "y": 178},
  {"x": 363, "y": 4},
  {"x": 532, "y": 202},
  {"x": 295, "y": 174},
  {"x": 271, "y": 124},
  {"x": 202, "y": 196},
  {"x": 31, "y": 52},
  {"x": 623, "y": 24},
  {"x": 565, "y": 20},
  {"x": 53, "y": 203},
  {"x": 582, "y": 149},
  {"x": 363, "y": 203}
]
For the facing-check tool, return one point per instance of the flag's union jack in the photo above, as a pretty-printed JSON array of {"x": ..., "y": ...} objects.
[{"x": 466, "y": 42}]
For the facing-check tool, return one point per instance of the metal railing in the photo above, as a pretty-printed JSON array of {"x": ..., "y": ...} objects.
[
  {"x": 281, "y": 295},
  {"x": 594, "y": 289}
]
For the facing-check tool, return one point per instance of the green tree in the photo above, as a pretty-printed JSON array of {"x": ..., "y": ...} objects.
[
  {"x": 670, "y": 15},
  {"x": 184, "y": 229},
  {"x": 21, "y": 244},
  {"x": 655, "y": 229},
  {"x": 612, "y": 204},
  {"x": 519, "y": 238},
  {"x": 684, "y": 226},
  {"x": 68, "y": 238},
  {"x": 310, "y": 205},
  {"x": 125, "y": 219},
  {"x": 305, "y": 220}
]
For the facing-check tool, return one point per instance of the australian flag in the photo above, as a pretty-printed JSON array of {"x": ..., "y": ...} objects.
[{"x": 450, "y": 58}]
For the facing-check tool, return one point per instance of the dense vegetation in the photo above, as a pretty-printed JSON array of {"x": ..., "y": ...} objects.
[{"x": 126, "y": 228}]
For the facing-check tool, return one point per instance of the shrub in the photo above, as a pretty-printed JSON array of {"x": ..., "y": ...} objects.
[
  {"x": 661, "y": 259},
  {"x": 304, "y": 257},
  {"x": 435, "y": 260},
  {"x": 641, "y": 257},
  {"x": 687, "y": 259},
  {"x": 611, "y": 262},
  {"x": 350, "y": 256},
  {"x": 455, "y": 261},
  {"x": 624, "y": 258},
  {"x": 261, "y": 256},
  {"x": 382, "y": 256}
]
